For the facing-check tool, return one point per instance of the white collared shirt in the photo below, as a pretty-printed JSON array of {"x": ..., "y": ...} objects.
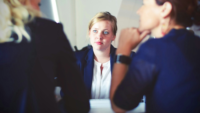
[{"x": 101, "y": 82}]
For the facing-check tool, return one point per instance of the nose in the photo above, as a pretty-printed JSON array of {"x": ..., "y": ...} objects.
[{"x": 100, "y": 36}]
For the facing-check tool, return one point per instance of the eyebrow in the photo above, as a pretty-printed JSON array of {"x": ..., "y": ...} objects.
[{"x": 103, "y": 29}]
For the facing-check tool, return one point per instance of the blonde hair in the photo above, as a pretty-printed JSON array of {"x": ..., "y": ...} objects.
[
  {"x": 13, "y": 17},
  {"x": 101, "y": 16}
]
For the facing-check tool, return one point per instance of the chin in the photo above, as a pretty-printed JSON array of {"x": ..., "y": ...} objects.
[
  {"x": 141, "y": 28},
  {"x": 97, "y": 47}
]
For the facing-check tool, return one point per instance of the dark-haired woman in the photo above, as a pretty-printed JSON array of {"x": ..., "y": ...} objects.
[{"x": 166, "y": 69}]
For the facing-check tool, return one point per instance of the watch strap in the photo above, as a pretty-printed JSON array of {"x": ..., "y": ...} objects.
[{"x": 122, "y": 59}]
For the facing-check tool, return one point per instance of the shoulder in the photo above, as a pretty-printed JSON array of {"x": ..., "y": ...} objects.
[
  {"x": 45, "y": 24},
  {"x": 44, "y": 21},
  {"x": 44, "y": 29},
  {"x": 147, "y": 50},
  {"x": 82, "y": 54},
  {"x": 49, "y": 35},
  {"x": 150, "y": 44}
]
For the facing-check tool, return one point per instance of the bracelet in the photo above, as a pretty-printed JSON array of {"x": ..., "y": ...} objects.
[{"x": 122, "y": 59}]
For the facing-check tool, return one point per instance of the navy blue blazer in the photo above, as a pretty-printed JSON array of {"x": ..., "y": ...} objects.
[
  {"x": 85, "y": 61},
  {"x": 167, "y": 71}
]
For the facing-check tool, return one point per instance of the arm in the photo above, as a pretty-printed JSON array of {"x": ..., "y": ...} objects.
[
  {"x": 119, "y": 71},
  {"x": 133, "y": 38}
]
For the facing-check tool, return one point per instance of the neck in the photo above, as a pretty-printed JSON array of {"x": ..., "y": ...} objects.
[
  {"x": 102, "y": 56},
  {"x": 157, "y": 32}
]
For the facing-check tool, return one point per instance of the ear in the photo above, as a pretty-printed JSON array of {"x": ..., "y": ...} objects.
[
  {"x": 166, "y": 9},
  {"x": 113, "y": 38}
]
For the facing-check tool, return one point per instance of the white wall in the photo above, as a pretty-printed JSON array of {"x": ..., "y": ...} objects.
[
  {"x": 46, "y": 9},
  {"x": 76, "y": 14},
  {"x": 127, "y": 17},
  {"x": 66, "y": 12}
]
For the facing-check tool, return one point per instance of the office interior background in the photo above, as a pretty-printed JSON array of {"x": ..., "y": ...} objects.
[{"x": 76, "y": 14}]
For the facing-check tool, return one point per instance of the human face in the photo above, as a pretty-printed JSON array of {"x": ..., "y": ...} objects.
[
  {"x": 149, "y": 14},
  {"x": 35, "y": 4},
  {"x": 101, "y": 35}
]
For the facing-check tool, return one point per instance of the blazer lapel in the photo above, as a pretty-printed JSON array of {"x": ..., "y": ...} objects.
[
  {"x": 88, "y": 70},
  {"x": 112, "y": 56},
  {"x": 89, "y": 64}
]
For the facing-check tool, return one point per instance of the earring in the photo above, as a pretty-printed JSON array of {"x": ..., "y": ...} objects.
[{"x": 163, "y": 29}]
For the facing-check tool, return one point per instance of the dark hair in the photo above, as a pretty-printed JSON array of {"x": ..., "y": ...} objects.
[{"x": 185, "y": 12}]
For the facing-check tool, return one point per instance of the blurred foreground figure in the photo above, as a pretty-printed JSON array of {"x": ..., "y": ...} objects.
[
  {"x": 166, "y": 69},
  {"x": 32, "y": 52}
]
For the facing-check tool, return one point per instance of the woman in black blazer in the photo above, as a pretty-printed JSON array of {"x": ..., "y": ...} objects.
[
  {"x": 96, "y": 62},
  {"x": 32, "y": 53}
]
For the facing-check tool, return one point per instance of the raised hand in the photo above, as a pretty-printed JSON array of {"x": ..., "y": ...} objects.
[{"x": 129, "y": 39}]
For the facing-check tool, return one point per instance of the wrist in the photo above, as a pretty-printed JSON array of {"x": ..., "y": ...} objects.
[
  {"x": 124, "y": 51},
  {"x": 122, "y": 59}
]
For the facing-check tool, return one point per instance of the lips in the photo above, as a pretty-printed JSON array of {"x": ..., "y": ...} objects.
[{"x": 99, "y": 43}]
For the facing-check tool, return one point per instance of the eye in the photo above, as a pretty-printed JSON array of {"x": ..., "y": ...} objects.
[
  {"x": 95, "y": 31},
  {"x": 39, "y": 4},
  {"x": 105, "y": 32}
]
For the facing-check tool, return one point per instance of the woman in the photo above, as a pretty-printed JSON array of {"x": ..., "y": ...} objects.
[
  {"x": 166, "y": 69},
  {"x": 32, "y": 52},
  {"x": 96, "y": 63}
]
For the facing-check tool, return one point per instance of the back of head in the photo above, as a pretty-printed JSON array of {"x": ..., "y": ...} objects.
[
  {"x": 102, "y": 16},
  {"x": 184, "y": 12},
  {"x": 13, "y": 17}
]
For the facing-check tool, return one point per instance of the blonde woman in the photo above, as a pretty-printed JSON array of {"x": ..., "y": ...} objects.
[
  {"x": 96, "y": 63},
  {"x": 32, "y": 52}
]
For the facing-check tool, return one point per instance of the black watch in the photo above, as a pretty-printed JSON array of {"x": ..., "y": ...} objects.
[{"x": 122, "y": 59}]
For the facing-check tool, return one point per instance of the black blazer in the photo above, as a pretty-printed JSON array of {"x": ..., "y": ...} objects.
[
  {"x": 27, "y": 82},
  {"x": 85, "y": 61}
]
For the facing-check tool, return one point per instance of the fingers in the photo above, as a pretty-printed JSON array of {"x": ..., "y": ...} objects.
[
  {"x": 131, "y": 37},
  {"x": 144, "y": 34}
]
